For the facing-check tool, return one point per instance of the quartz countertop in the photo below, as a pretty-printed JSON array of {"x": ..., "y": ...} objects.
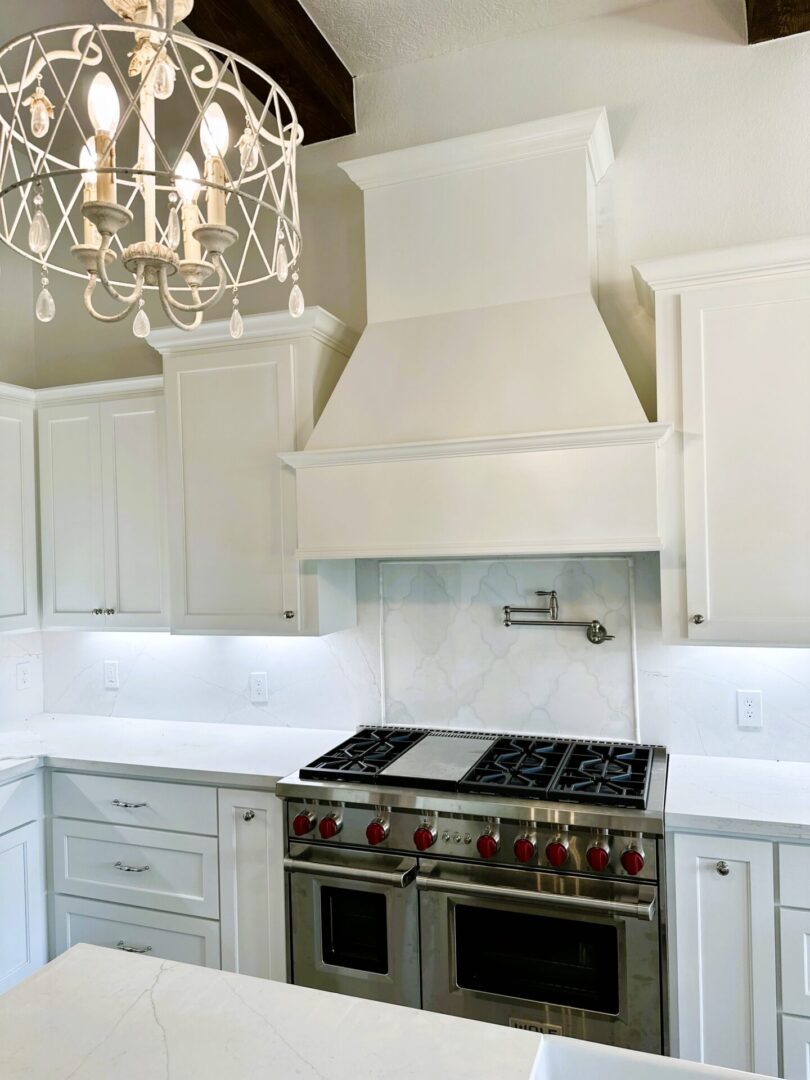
[
  {"x": 744, "y": 796},
  {"x": 93, "y": 1014},
  {"x": 245, "y": 755}
]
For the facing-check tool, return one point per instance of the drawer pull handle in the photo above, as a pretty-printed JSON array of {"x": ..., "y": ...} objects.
[
  {"x": 128, "y": 805},
  {"x": 130, "y": 869},
  {"x": 723, "y": 869},
  {"x": 122, "y": 945}
]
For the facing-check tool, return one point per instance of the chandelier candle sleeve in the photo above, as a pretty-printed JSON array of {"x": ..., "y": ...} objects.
[
  {"x": 105, "y": 111},
  {"x": 87, "y": 162},
  {"x": 214, "y": 137},
  {"x": 188, "y": 188}
]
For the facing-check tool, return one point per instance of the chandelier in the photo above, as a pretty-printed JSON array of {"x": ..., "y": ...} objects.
[{"x": 132, "y": 156}]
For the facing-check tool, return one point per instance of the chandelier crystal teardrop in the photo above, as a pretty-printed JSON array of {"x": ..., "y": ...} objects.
[{"x": 131, "y": 156}]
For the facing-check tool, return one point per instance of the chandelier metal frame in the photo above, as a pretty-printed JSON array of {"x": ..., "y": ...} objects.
[{"x": 113, "y": 213}]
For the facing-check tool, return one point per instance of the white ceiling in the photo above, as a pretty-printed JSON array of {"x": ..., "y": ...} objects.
[{"x": 373, "y": 34}]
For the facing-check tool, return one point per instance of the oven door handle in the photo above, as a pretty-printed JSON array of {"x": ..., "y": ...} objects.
[
  {"x": 642, "y": 909},
  {"x": 399, "y": 879}
]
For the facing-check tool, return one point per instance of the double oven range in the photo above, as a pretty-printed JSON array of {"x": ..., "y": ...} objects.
[{"x": 507, "y": 878}]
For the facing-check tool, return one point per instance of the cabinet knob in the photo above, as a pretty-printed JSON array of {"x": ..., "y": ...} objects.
[
  {"x": 109, "y": 611},
  {"x": 723, "y": 869},
  {"x": 698, "y": 619},
  {"x": 248, "y": 815},
  {"x": 97, "y": 611},
  {"x": 289, "y": 614}
]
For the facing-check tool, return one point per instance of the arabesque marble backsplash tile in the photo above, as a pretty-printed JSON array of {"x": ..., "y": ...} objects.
[{"x": 449, "y": 659}]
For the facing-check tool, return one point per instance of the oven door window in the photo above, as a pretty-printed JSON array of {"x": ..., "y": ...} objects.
[
  {"x": 567, "y": 962},
  {"x": 354, "y": 929}
]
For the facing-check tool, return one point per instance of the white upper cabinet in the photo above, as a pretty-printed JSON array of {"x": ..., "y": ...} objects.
[
  {"x": 102, "y": 500},
  {"x": 733, "y": 333},
  {"x": 18, "y": 544},
  {"x": 232, "y": 408}
]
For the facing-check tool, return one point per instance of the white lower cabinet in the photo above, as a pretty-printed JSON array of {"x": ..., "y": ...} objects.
[
  {"x": 725, "y": 952},
  {"x": 796, "y": 1047},
  {"x": 23, "y": 946},
  {"x": 131, "y": 929},
  {"x": 251, "y": 878}
]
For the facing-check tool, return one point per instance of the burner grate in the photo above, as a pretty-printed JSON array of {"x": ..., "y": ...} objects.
[
  {"x": 362, "y": 755},
  {"x": 602, "y": 773},
  {"x": 517, "y": 765}
]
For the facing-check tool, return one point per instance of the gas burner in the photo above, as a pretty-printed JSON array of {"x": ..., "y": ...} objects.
[
  {"x": 363, "y": 754},
  {"x": 604, "y": 773},
  {"x": 520, "y": 766}
]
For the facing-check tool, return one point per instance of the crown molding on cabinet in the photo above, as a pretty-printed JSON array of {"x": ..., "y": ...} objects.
[
  {"x": 276, "y": 326},
  {"x": 20, "y": 394},
  {"x": 108, "y": 390},
  {"x": 587, "y": 130},
  {"x": 695, "y": 270},
  {"x": 625, "y": 435}
]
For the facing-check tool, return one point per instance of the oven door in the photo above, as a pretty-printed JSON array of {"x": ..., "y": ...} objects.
[
  {"x": 354, "y": 919},
  {"x": 557, "y": 953}
]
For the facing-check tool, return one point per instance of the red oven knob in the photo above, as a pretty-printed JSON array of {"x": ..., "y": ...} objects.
[
  {"x": 303, "y": 823},
  {"x": 329, "y": 826},
  {"x": 598, "y": 858},
  {"x": 487, "y": 845},
  {"x": 556, "y": 852},
  {"x": 424, "y": 837},
  {"x": 633, "y": 861},
  {"x": 377, "y": 831},
  {"x": 525, "y": 848}
]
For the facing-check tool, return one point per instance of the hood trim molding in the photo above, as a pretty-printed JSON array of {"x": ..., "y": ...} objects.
[{"x": 624, "y": 435}]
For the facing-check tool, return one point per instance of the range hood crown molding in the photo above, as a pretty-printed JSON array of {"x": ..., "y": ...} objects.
[{"x": 587, "y": 130}]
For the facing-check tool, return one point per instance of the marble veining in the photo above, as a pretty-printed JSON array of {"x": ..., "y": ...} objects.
[
  {"x": 449, "y": 660},
  {"x": 93, "y": 1014}
]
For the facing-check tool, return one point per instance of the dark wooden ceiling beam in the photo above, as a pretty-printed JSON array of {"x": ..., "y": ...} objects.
[
  {"x": 769, "y": 19},
  {"x": 279, "y": 37}
]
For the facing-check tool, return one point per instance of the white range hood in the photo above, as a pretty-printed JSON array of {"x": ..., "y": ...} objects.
[{"x": 485, "y": 410}]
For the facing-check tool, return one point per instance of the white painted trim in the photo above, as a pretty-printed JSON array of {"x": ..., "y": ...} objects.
[
  {"x": 488, "y": 549},
  {"x": 587, "y": 130},
  {"x": 625, "y": 435},
  {"x": 790, "y": 255},
  {"x": 19, "y": 394},
  {"x": 109, "y": 390},
  {"x": 274, "y": 326}
]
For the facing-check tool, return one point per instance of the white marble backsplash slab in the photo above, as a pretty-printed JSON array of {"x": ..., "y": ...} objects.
[
  {"x": 449, "y": 660},
  {"x": 16, "y": 705}
]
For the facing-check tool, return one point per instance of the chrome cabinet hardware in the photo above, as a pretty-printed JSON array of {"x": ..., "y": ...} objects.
[
  {"x": 122, "y": 945},
  {"x": 130, "y": 869},
  {"x": 248, "y": 815},
  {"x": 97, "y": 611},
  {"x": 122, "y": 805},
  {"x": 594, "y": 630},
  {"x": 109, "y": 611},
  {"x": 698, "y": 619},
  {"x": 723, "y": 869},
  {"x": 289, "y": 614}
]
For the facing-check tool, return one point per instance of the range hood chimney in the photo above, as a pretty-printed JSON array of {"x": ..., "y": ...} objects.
[{"x": 485, "y": 409}]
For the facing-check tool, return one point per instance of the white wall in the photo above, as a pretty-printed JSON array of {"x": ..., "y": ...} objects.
[{"x": 442, "y": 642}]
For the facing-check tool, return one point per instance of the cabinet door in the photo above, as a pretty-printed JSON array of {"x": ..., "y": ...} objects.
[
  {"x": 746, "y": 400},
  {"x": 251, "y": 883},
  {"x": 795, "y": 949},
  {"x": 71, "y": 516},
  {"x": 725, "y": 952},
  {"x": 796, "y": 1048},
  {"x": 18, "y": 551},
  {"x": 23, "y": 946},
  {"x": 231, "y": 570},
  {"x": 134, "y": 513}
]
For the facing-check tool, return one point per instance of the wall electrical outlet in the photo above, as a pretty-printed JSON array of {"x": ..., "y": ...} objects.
[
  {"x": 24, "y": 675},
  {"x": 258, "y": 687},
  {"x": 749, "y": 710},
  {"x": 110, "y": 674}
]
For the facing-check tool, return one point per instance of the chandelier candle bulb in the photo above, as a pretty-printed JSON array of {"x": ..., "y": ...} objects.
[{"x": 105, "y": 112}]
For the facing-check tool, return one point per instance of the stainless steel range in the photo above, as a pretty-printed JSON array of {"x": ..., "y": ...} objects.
[{"x": 508, "y": 878}]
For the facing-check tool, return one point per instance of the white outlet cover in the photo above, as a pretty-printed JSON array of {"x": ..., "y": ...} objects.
[
  {"x": 749, "y": 710},
  {"x": 110, "y": 674},
  {"x": 258, "y": 687},
  {"x": 24, "y": 675}
]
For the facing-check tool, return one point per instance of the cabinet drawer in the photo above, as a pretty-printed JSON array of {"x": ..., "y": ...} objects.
[
  {"x": 153, "y": 869},
  {"x": 123, "y": 801},
  {"x": 796, "y": 1048},
  {"x": 20, "y": 802},
  {"x": 795, "y": 943},
  {"x": 794, "y": 875},
  {"x": 170, "y": 937}
]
